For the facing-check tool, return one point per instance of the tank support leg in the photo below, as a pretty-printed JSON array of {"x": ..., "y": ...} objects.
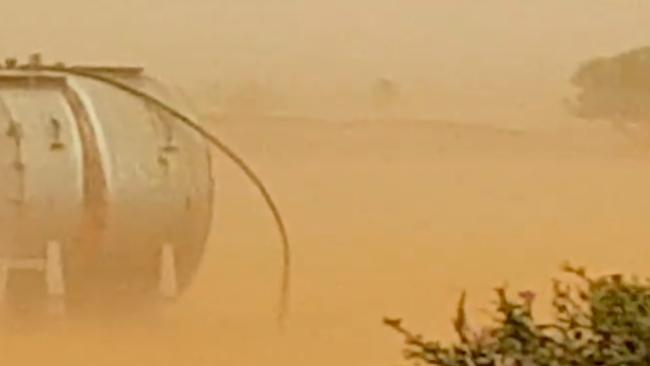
[
  {"x": 168, "y": 283},
  {"x": 54, "y": 277}
]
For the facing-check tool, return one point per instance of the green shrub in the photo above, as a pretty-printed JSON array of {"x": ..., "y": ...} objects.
[{"x": 598, "y": 321}]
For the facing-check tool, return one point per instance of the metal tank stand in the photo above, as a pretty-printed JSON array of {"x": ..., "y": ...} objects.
[
  {"x": 168, "y": 285},
  {"x": 54, "y": 277},
  {"x": 52, "y": 268}
]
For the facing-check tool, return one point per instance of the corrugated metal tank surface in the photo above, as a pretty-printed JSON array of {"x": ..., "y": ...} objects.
[{"x": 108, "y": 175}]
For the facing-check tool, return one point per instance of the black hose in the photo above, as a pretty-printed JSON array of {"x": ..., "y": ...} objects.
[{"x": 229, "y": 152}]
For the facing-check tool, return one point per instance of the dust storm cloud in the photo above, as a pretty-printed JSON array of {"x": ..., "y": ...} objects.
[
  {"x": 447, "y": 54},
  {"x": 479, "y": 176}
]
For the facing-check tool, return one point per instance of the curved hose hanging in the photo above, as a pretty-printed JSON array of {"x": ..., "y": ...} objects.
[{"x": 225, "y": 149}]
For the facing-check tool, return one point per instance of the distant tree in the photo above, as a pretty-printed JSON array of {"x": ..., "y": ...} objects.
[
  {"x": 385, "y": 93},
  {"x": 615, "y": 89},
  {"x": 252, "y": 98}
]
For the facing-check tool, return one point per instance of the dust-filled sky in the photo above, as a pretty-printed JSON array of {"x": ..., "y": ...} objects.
[
  {"x": 513, "y": 57},
  {"x": 388, "y": 217}
]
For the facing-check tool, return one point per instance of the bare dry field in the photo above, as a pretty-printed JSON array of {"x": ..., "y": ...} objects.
[{"x": 387, "y": 218}]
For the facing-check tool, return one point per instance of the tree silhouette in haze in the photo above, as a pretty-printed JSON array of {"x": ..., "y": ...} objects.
[
  {"x": 615, "y": 89},
  {"x": 385, "y": 94},
  {"x": 252, "y": 98}
]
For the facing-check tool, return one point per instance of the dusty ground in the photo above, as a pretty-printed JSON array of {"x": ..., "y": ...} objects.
[{"x": 387, "y": 218}]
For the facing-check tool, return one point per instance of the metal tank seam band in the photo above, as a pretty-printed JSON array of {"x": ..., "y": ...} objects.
[
  {"x": 95, "y": 125},
  {"x": 94, "y": 175}
]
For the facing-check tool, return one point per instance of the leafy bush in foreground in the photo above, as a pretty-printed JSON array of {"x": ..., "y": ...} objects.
[{"x": 600, "y": 321}]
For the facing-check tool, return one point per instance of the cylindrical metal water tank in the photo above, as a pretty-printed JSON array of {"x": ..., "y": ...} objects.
[{"x": 109, "y": 177}]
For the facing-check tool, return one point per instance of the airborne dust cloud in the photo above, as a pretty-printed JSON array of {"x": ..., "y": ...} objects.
[{"x": 475, "y": 177}]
